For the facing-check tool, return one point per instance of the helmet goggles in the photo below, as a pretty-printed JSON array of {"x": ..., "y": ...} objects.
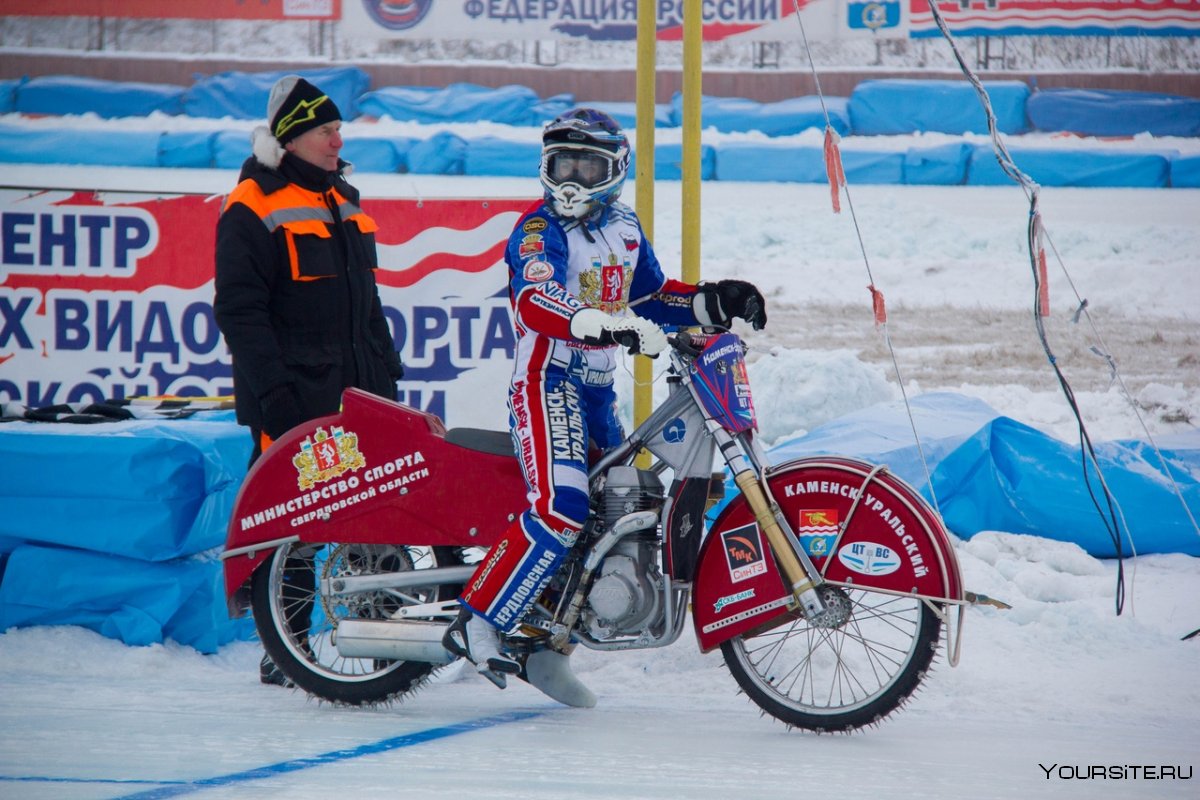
[
  {"x": 587, "y": 168},
  {"x": 585, "y": 157}
]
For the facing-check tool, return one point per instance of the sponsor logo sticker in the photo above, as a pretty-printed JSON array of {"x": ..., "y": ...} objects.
[
  {"x": 744, "y": 552},
  {"x": 730, "y": 599},
  {"x": 869, "y": 558}
]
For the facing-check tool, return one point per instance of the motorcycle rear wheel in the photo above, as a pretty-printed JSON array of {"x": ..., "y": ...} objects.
[
  {"x": 296, "y": 622},
  {"x": 848, "y": 670}
]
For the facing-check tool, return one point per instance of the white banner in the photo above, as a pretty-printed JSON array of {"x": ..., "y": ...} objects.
[{"x": 616, "y": 20}]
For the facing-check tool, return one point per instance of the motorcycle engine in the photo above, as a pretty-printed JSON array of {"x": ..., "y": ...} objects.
[{"x": 626, "y": 595}]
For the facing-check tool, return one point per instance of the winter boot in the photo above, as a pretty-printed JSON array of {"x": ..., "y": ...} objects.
[
  {"x": 474, "y": 639},
  {"x": 271, "y": 674}
]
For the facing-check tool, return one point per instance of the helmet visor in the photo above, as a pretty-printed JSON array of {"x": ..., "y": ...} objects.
[{"x": 588, "y": 169}]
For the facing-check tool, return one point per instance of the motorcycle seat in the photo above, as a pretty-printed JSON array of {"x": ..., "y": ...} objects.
[{"x": 497, "y": 443}]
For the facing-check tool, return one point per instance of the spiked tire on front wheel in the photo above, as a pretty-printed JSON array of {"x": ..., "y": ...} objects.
[{"x": 852, "y": 667}]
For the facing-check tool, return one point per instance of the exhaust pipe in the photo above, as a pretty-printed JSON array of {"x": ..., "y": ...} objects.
[{"x": 394, "y": 641}]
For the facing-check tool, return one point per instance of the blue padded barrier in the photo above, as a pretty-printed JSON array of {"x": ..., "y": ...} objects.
[
  {"x": 992, "y": 473},
  {"x": 150, "y": 490},
  {"x": 136, "y": 602},
  {"x": 504, "y": 157},
  {"x": 901, "y": 106},
  {"x": 231, "y": 149},
  {"x": 66, "y": 94},
  {"x": 943, "y": 165},
  {"x": 8, "y": 94},
  {"x": 1010, "y": 477},
  {"x": 782, "y": 118},
  {"x": 1185, "y": 172},
  {"x": 443, "y": 153},
  {"x": 194, "y": 149},
  {"x": 114, "y": 526},
  {"x": 668, "y": 160},
  {"x": 377, "y": 155},
  {"x": 739, "y": 161},
  {"x": 243, "y": 95},
  {"x": 1072, "y": 168},
  {"x": 1099, "y": 112},
  {"x": 458, "y": 102},
  {"x": 79, "y": 146}
]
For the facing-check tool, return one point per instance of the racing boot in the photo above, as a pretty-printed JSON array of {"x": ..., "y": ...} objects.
[
  {"x": 549, "y": 671},
  {"x": 474, "y": 639}
]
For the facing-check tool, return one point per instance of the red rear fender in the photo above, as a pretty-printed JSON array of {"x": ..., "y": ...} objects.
[{"x": 378, "y": 472}]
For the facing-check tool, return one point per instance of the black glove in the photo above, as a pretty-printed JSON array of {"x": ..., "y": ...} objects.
[
  {"x": 724, "y": 300},
  {"x": 280, "y": 411},
  {"x": 394, "y": 366}
]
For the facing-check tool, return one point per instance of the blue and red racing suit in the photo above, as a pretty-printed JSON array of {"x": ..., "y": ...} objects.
[{"x": 561, "y": 396}]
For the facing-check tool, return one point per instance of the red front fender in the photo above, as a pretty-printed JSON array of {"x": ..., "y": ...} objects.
[
  {"x": 894, "y": 542},
  {"x": 378, "y": 472}
]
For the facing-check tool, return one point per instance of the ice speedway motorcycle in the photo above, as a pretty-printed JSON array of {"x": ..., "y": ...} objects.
[{"x": 825, "y": 581}]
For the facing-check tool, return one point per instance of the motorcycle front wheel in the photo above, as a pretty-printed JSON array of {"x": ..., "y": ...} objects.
[
  {"x": 854, "y": 666},
  {"x": 296, "y": 622}
]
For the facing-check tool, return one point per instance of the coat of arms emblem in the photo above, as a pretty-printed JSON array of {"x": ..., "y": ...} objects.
[{"x": 325, "y": 456}]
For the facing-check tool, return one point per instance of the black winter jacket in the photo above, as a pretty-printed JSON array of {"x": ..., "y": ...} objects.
[{"x": 295, "y": 293}]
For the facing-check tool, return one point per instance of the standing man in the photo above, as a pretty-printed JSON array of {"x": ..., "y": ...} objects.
[
  {"x": 295, "y": 285},
  {"x": 583, "y": 279}
]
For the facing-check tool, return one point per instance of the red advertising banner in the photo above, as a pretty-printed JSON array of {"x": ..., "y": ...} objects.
[
  {"x": 178, "y": 9},
  {"x": 1057, "y": 17},
  {"x": 110, "y": 295}
]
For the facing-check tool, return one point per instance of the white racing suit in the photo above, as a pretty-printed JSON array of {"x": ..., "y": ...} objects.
[{"x": 561, "y": 400}]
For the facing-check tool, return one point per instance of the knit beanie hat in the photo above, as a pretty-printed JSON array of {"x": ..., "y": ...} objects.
[{"x": 296, "y": 106}]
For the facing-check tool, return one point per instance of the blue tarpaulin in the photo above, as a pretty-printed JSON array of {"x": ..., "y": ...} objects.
[
  {"x": 1055, "y": 167},
  {"x": 458, "y": 102},
  {"x": 444, "y": 153},
  {"x": 149, "y": 490},
  {"x": 79, "y": 146},
  {"x": 136, "y": 602},
  {"x": 991, "y": 473},
  {"x": 943, "y": 165},
  {"x": 8, "y": 94},
  {"x": 491, "y": 156},
  {"x": 243, "y": 95},
  {"x": 115, "y": 527},
  {"x": 1185, "y": 172},
  {"x": 748, "y": 161},
  {"x": 891, "y": 107},
  {"x": 1101, "y": 112},
  {"x": 781, "y": 118},
  {"x": 67, "y": 94}
]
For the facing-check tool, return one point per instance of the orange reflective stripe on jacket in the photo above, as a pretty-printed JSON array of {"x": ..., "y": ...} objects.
[{"x": 300, "y": 212}]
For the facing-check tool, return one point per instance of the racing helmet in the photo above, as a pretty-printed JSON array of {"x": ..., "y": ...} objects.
[{"x": 585, "y": 157}]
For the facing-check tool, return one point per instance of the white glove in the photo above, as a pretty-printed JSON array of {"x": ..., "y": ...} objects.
[{"x": 639, "y": 335}]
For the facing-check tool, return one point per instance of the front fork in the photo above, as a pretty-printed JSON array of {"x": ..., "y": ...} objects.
[{"x": 797, "y": 568}]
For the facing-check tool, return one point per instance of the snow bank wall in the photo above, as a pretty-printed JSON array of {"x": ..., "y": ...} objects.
[
  {"x": 875, "y": 108},
  {"x": 114, "y": 527}
]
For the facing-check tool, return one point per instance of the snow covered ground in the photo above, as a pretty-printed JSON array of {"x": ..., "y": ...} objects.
[{"x": 1057, "y": 697}]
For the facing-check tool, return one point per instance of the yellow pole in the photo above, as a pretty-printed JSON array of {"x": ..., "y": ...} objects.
[
  {"x": 692, "y": 60},
  {"x": 643, "y": 374}
]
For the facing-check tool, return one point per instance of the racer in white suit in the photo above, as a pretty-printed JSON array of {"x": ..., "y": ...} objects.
[{"x": 583, "y": 279}]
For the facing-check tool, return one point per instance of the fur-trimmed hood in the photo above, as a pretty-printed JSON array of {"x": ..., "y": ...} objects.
[{"x": 269, "y": 152}]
